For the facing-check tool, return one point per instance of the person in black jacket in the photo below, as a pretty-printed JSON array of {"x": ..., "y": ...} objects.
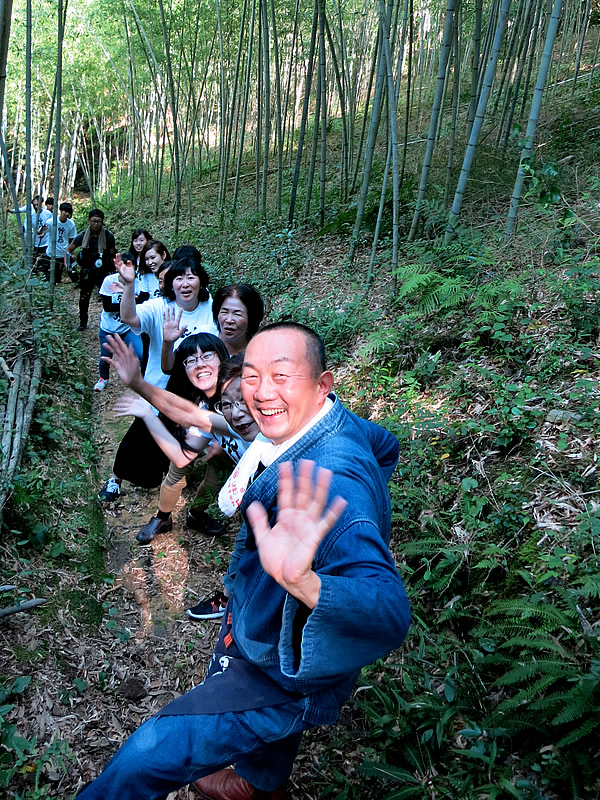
[{"x": 96, "y": 259}]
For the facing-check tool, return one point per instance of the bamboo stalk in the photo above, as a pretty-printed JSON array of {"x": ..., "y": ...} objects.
[
  {"x": 28, "y": 605},
  {"x": 9, "y": 419}
]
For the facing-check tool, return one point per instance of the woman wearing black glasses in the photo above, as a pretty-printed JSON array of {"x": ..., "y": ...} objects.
[{"x": 195, "y": 375}]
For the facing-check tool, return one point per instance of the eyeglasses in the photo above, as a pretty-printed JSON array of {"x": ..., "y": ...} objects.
[
  {"x": 203, "y": 358},
  {"x": 227, "y": 408}
]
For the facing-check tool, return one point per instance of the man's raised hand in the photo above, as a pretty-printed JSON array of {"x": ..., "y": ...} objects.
[
  {"x": 288, "y": 548},
  {"x": 123, "y": 360}
]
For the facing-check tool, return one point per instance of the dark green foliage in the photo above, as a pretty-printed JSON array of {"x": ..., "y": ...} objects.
[
  {"x": 497, "y": 691},
  {"x": 20, "y": 755}
]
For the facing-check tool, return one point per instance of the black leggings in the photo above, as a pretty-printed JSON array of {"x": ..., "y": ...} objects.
[{"x": 88, "y": 279}]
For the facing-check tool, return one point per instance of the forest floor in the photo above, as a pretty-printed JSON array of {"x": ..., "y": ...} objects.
[{"x": 105, "y": 661}]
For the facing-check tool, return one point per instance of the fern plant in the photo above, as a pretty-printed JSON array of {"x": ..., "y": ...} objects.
[{"x": 547, "y": 677}]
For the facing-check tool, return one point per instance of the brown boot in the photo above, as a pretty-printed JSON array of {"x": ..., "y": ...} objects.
[{"x": 228, "y": 785}]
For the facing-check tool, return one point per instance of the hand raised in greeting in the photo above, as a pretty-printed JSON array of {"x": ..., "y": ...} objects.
[{"x": 288, "y": 548}]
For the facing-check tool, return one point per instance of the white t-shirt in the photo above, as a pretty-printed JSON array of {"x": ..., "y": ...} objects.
[
  {"x": 110, "y": 321},
  {"x": 65, "y": 231},
  {"x": 232, "y": 443},
  {"x": 30, "y": 217},
  {"x": 150, "y": 284},
  {"x": 150, "y": 314},
  {"x": 45, "y": 215}
]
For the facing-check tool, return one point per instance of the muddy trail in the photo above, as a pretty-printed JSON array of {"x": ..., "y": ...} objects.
[{"x": 104, "y": 656}]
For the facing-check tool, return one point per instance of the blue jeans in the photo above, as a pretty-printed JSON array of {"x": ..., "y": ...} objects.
[
  {"x": 129, "y": 338},
  {"x": 169, "y": 752}
]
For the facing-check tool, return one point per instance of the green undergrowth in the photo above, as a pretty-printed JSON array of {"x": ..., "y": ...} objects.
[
  {"x": 486, "y": 371},
  {"x": 53, "y": 531}
]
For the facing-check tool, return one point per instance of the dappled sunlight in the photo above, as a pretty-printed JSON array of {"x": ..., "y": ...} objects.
[{"x": 170, "y": 568}]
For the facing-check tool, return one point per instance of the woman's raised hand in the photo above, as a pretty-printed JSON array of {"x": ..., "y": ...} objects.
[
  {"x": 132, "y": 405},
  {"x": 123, "y": 360},
  {"x": 125, "y": 270},
  {"x": 171, "y": 324}
]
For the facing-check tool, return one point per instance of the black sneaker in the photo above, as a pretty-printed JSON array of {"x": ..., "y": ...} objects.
[
  {"x": 110, "y": 491},
  {"x": 203, "y": 522},
  {"x": 82, "y": 326},
  {"x": 210, "y": 608},
  {"x": 152, "y": 528}
]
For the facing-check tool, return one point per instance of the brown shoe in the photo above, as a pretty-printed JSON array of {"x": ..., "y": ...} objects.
[{"x": 228, "y": 785}]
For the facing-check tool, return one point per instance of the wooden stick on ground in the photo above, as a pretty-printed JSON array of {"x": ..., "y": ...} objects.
[{"x": 26, "y": 606}]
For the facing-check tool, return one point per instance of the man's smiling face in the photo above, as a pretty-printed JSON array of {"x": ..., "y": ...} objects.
[{"x": 279, "y": 384}]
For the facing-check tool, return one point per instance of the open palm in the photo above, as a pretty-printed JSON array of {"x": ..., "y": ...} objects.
[
  {"x": 125, "y": 270},
  {"x": 124, "y": 360},
  {"x": 172, "y": 330},
  {"x": 287, "y": 549}
]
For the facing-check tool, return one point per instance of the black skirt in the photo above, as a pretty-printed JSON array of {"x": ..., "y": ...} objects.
[{"x": 139, "y": 459}]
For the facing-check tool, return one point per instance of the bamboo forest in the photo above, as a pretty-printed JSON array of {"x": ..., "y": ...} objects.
[{"x": 418, "y": 182}]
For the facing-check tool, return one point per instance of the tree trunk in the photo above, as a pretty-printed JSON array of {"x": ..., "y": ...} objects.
[
  {"x": 244, "y": 109},
  {"x": 478, "y": 121},
  {"x": 374, "y": 63},
  {"x": 313, "y": 152},
  {"x": 267, "y": 104},
  {"x": 309, "y": 71},
  {"x": 536, "y": 105},
  {"x": 171, "y": 82},
  {"x": 369, "y": 147},
  {"x": 5, "y": 17},
  {"x": 278, "y": 120},
  {"x": 28, "y": 254},
  {"x": 435, "y": 111},
  {"x": 455, "y": 101},
  {"x": 322, "y": 73},
  {"x": 584, "y": 28},
  {"x": 57, "y": 146},
  {"x": 476, "y": 65}
]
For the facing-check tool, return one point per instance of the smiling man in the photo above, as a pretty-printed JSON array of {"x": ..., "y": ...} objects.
[{"x": 305, "y": 569}]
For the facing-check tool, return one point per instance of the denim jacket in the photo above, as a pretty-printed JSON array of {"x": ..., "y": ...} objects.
[{"x": 362, "y": 612}]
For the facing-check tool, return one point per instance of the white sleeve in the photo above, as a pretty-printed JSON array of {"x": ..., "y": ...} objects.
[
  {"x": 150, "y": 315},
  {"x": 107, "y": 283}
]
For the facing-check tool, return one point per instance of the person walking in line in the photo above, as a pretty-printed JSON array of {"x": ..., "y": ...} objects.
[
  {"x": 42, "y": 239},
  {"x": 96, "y": 259},
  {"x": 111, "y": 323},
  {"x": 65, "y": 234}
]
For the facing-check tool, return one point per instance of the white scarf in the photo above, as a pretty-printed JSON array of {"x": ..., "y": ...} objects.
[{"x": 261, "y": 450}]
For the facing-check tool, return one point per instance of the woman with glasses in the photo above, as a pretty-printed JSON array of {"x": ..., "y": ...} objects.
[
  {"x": 232, "y": 426},
  {"x": 195, "y": 375}
]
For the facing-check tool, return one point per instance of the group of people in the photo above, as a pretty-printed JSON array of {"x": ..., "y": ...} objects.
[
  {"x": 40, "y": 218},
  {"x": 309, "y": 484},
  {"x": 311, "y": 556},
  {"x": 181, "y": 339}
]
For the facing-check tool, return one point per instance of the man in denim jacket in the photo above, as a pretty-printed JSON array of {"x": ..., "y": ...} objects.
[{"x": 292, "y": 644}]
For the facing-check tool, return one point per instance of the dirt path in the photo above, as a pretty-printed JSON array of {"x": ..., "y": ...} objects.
[
  {"x": 104, "y": 658},
  {"x": 108, "y": 651}
]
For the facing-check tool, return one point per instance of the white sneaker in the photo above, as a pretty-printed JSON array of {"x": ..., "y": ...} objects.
[{"x": 100, "y": 386}]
